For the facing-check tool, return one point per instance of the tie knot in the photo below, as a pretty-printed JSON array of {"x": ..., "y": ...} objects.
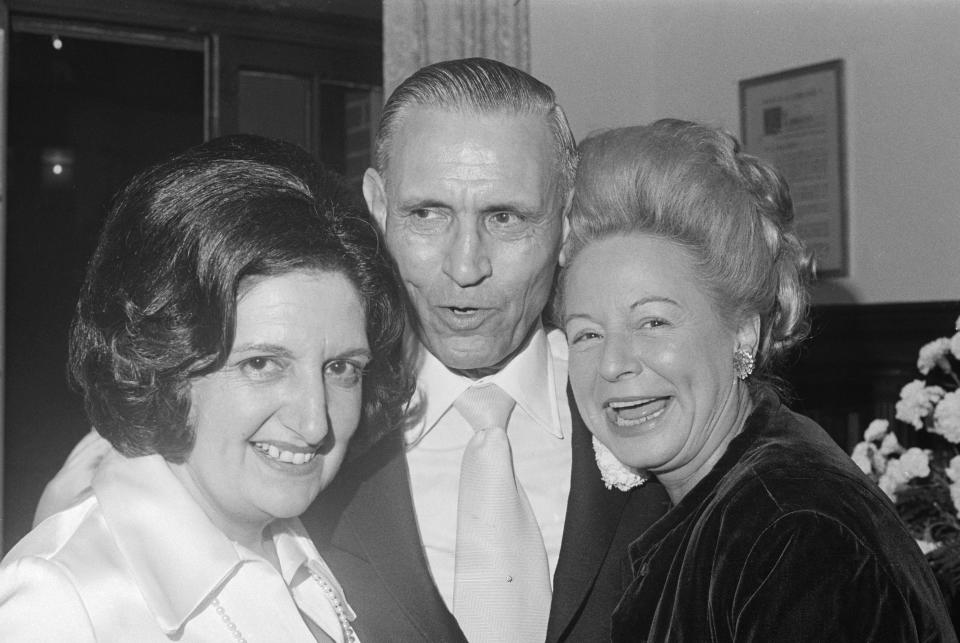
[{"x": 485, "y": 406}]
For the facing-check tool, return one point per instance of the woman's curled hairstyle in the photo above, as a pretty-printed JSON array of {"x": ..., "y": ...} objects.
[
  {"x": 693, "y": 185},
  {"x": 158, "y": 304}
]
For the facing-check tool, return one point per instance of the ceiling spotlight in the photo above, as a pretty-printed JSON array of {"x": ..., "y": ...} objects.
[
  {"x": 57, "y": 167},
  {"x": 56, "y": 42}
]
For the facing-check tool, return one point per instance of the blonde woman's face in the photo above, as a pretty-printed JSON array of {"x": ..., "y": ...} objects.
[{"x": 651, "y": 362}]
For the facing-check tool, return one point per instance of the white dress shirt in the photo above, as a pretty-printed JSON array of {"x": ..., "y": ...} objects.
[
  {"x": 139, "y": 561},
  {"x": 539, "y": 432}
]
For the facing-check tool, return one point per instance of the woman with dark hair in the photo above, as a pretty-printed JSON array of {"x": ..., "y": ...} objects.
[
  {"x": 238, "y": 327},
  {"x": 683, "y": 288}
]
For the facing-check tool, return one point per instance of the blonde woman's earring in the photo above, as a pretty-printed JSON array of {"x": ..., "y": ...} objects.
[{"x": 743, "y": 363}]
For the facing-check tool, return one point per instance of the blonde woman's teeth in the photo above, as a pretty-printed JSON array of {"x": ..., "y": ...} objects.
[
  {"x": 634, "y": 412},
  {"x": 290, "y": 457}
]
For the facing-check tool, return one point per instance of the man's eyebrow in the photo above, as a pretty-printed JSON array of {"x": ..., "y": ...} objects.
[
  {"x": 422, "y": 204},
  {"x": 509, "y": 206},
  {"x": 359, "y": 351}
]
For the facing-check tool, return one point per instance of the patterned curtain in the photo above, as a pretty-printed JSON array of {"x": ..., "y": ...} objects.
[{"x": 421, "y": 32}]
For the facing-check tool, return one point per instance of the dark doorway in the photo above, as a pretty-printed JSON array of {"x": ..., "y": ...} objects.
[{"x": 84, "y": 115}]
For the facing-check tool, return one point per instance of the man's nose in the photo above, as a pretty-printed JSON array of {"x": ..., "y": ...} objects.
[
  {"x": 467, "y": 261},
  {"x": 619, "y": 358}
]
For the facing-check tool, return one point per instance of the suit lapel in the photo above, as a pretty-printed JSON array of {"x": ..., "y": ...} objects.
[
  {"x": 379, "y": 526},
  {"x": 593, "y": 513}
]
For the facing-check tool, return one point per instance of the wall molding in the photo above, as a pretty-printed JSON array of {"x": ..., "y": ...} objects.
[{"x": 347, "y": 24}]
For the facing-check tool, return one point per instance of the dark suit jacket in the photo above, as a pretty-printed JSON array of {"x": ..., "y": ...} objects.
[{"x": 365, "y": 527}]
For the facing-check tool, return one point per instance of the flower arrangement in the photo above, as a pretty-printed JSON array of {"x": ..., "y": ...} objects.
[{"x": 923, "y": 481}]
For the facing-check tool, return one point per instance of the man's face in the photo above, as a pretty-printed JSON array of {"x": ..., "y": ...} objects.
[{"x": 471, "y": 214}]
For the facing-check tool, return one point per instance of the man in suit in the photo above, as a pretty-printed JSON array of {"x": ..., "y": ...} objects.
[{"x": 475, "y": 163}]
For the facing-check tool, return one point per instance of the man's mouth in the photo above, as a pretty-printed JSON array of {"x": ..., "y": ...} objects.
[
  {"x": 635, "y": 411},
  {"x": 463, "y": 318}
]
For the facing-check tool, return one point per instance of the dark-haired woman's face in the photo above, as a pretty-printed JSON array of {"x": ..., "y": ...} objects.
[{"x": 272, "y": 425}]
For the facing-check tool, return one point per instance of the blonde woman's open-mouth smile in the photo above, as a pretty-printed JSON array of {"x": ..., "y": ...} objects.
[{"x": 635, "y": 411}]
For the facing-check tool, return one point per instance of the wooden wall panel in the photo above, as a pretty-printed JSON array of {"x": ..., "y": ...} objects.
[{"x": 857, "y": 359}]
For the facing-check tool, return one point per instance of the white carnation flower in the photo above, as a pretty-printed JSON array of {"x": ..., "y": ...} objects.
[
  {"x": 934, "y": 354},
  {"x": 890, "y": 445},
  {"x": 946, "y": 417},
  {"x": 889, "y": 485},
  {"x": 915, "y": 463},
  {"x": 896, "y": 472},
  {"x": 862, "y": 456},
  {"x": 953, "y": 469},
  {"x": 926, "y": 546},
  {"x": 916, "y": 402},
  {"x": 955, "y": 345},
  {"x": 615, "y": 473},
  {"x": 876, "y": 430},
  {"x": 955, "y": 497},
  {"x": 879, "y": 461}
]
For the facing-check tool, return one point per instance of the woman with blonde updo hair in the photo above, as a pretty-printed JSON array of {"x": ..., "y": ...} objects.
[{"x": 683, "y": 288}]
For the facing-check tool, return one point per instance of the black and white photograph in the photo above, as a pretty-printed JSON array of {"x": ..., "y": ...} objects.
[{"x": 480, "y": 321}]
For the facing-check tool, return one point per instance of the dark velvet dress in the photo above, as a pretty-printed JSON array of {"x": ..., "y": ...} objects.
[{"x": 785, "y": 540}]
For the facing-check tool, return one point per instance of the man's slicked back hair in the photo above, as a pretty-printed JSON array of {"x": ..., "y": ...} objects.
[{"x": 486, "y": 87}]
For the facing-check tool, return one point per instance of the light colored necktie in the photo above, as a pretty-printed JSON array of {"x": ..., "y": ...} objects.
[{"x": 502, "y": 578}]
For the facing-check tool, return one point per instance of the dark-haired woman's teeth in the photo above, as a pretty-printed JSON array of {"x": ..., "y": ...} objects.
[{"x": 289, "y": 457}]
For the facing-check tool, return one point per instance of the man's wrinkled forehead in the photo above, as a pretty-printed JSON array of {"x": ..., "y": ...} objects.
[{"x": 400, "y": 137}]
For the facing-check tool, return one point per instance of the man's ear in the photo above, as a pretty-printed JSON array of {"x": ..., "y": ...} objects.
[
  {"x": 565, "y": 232},
  {"x": 375, "y": 194}
]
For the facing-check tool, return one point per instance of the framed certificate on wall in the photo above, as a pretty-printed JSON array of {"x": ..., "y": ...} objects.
[{"x": 795, "y": 120}]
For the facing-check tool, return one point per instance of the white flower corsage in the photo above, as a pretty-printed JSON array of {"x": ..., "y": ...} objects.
[{"x": 615, "y": 473}]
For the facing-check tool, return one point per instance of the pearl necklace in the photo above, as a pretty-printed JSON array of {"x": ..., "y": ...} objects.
[
  {"x": 349, "y": 636},
  {"x": 237, "y": 634}
]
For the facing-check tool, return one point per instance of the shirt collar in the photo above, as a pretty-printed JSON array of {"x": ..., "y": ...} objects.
[
  {"x": 299, "y": 561},
  {"x": 528, "y": 378},
  {"x": 181, "y": 558}
]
